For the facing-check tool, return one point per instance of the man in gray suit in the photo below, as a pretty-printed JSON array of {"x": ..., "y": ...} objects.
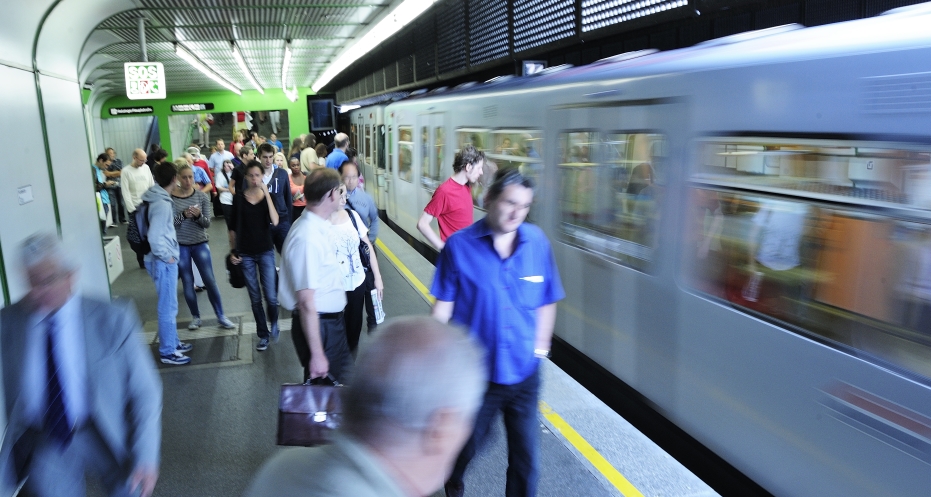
[{"x": 81, "y": 391}]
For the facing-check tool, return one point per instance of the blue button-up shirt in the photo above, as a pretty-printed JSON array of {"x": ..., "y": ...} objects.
[{"x": 497, "y": 299}]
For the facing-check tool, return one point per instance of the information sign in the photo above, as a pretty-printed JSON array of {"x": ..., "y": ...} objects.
[{"x": 144, "y": 80}]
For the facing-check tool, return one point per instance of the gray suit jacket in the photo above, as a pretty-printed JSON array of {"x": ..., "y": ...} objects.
[{"x": 125, "y": 392}]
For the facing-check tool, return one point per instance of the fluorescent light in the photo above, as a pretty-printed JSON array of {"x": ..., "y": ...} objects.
[
  {"x": 197, "y": 64},
  {"x": 346, "y": 108},
  {"x": 291, "y": 94},
  {"x": 402, "y": 15},
  {"x": 245, "y": 69},
  {"x": 285, "y": 66}
]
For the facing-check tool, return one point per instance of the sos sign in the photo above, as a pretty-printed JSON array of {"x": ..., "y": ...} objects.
[{"x": 144, "y": 80}]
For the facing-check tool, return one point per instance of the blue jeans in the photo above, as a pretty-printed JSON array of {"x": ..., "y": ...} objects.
[
  {"x": 200, "y": 253},
  {"x": 253, "y": 267},
  {"x": 165, "y": 276},
  {"x": 279, "y": 233},
  {"x": 519, "y": 404}
]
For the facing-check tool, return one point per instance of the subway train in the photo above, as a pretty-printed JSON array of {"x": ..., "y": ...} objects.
[{"x": 742, "y": 227}]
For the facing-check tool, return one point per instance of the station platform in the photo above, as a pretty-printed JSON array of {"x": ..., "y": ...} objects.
[{"x": 220, "y": 412}]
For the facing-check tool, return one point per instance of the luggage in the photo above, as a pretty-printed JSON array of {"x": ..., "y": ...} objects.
[{"x": 309, "y": 413}]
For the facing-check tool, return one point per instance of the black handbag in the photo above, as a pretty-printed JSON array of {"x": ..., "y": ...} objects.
[
  {"x": 309, "y": 413},
  {"x": 234, "y": 273},
  {"x": 364, "y": 254}
]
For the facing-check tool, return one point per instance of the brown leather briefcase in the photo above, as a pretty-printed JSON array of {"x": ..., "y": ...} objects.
[{"x": 308, "y": 414}]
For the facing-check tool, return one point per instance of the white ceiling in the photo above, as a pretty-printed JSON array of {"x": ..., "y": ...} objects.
[{"x": 318, "y": 31}]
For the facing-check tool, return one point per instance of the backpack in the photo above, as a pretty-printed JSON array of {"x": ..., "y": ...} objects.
[{"x": 138, "y": 231}]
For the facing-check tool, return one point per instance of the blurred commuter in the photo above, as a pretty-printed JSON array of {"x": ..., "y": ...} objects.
[
  {"x": 278, "y": 183},
  {"x": 498, "y": 277},
  {"x": 295, "y": 153},
  {"x": 226, "y": 197},
  {"x": 162, "y": 263},
  {"x": 150, "y": 160},
  {"x": 218, "y": 157},
  {"x": 136, "y": 180},
  {"x": 361, "y": 202},
  {"x": 451, "y": 204},
  {"x": 81, "y": 391},
  {"x": 253, "y": 216},
  {"x": 297, "y": 189},
  {"x": 399, "y": 437},
  {"x": 101, "y": 184},
  {"x": 321, "y": 154},
  {"x": 238, "y": 136},
  {"x": 273, "y": 139},
  {"x": 159, "y": 156},
  {"x": 192, "y": 213},
  {"x": 113, "y": 173},
  {"x": 311, "y": 282},
  {"x": 274, "y": 118},
  {"x": 198, "y": 161},
  {"x": 308, "y": 153},
  {"x": 338, "y": 155},
  {"x": 347, "y": 235},
  {"x": 246, "y": 155}
]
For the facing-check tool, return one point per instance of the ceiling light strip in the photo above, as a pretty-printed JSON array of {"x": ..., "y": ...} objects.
[
  {"x": 237, "y": 54},
  {"x": 285, "y": 67},
  {"x": 188, "y": 57},
  {"x": 401, "y": 16}
]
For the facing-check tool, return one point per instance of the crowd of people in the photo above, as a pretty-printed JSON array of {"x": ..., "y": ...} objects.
[{"x": 496, "y": 282}]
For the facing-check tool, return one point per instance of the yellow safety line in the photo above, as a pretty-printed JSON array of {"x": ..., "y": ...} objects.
[
  {"x": 597, "y": 460},
  {"x": 580, "y": 444},
  {"x": 406, "y": 272}
]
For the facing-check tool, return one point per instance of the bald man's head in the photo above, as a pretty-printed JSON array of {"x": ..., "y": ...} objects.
[
  {"x": 341, "y": 141},
  {"x": 139, "y": 157}
]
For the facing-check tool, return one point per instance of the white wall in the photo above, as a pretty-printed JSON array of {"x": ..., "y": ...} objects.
[
  {"x": 26, "y": 167},
  {"x": 74, "y": 183},
  {"x": 179, "y": 127},
  {"x": 124, "y": 134}
]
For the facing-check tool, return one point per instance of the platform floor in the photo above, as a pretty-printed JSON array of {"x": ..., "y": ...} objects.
[{"x": 220, "y": 412}]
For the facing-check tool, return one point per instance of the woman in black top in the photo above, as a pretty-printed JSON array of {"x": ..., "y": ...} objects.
[{"x": 254, "y": 214}]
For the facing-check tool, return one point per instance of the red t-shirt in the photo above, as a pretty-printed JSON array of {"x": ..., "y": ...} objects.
[{"x": 451, "y": 205}]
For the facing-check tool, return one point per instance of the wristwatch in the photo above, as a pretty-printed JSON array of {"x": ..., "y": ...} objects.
[{"x": 541, "y": 353}]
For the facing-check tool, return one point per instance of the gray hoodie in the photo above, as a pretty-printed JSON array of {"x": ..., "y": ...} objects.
[{"x": 161, "y": 233}]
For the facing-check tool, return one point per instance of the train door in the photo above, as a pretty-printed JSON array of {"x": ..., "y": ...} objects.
[
  {"x": 378, "y": 188},
  {"x": 405, "y": 192},
  {"x": 612, "y": 238},
  {"x": 391, "y": 179}
]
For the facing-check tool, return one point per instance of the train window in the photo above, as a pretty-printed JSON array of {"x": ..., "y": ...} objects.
[
  {"x": 438, "y": 153},
  {"x": 406, "y": 153},
  {"x": 610, "y": 190},
  {"x": 353, "y": 134},
  {"x": 520, "y": 149},
  {"x": 430, "y": 172},
  {"x": 831, "y": 238},
  {"x": 478, "y": 138},
  {"x": 379, "y": 146}
]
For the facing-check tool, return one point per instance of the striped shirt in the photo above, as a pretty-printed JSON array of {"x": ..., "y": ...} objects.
[{"x": 192, "y": 230}]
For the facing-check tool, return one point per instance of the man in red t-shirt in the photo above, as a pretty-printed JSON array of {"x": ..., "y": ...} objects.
[{"x": 451, "y": 204}]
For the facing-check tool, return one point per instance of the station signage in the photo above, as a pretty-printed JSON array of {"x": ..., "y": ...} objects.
[
  {"x": 124, "y": 111},
  {"x": 144, "y": 80},
  {"x": 191, "y": 107}
]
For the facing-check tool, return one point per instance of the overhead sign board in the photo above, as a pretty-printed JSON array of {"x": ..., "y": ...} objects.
[
  {"x": 123, "y": 111},
  {"x": 191, "y": 107},
  {"x": 144, "y": 80}
]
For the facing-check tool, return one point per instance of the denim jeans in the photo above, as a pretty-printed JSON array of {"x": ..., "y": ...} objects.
[
  {"x": 279, "y": 233},
  {"x": 200, "y": 254},
  {"x": 165, "y": 276},
  {"x": 262, "y": 266},
  {"x": 518, "y": 402}
]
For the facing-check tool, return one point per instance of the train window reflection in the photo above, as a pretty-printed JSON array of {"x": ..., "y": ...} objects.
[
  {"x": 842, "y": 250},
  {"x": 430, "y": 178},
  {"x": 518, "y": 149},
  {"x": 405, "y": 153},
  {"x": 367, "y": 149},
  {"x": 611, "y": 186}
]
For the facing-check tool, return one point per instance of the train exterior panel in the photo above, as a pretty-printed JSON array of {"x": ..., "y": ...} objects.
[{"x": 743, "y": 232}]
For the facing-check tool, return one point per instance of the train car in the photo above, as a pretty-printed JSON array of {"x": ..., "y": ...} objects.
[
  {"x": 743, "y": 229},
  {"x": 367, "y": 135}
]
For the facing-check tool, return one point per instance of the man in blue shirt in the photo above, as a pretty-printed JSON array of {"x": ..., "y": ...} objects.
[
  {"x": 338, "y": 155},
  {"x": 216, "y": 159},
  {"x": 498, "y": 278}
]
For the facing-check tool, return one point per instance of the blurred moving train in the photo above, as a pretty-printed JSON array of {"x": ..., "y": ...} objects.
[{"x": 743, "y": 229}]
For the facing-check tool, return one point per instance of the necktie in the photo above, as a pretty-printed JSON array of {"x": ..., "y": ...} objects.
[{"x": 56, "y": 416}]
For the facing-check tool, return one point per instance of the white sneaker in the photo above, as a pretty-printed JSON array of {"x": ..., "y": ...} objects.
[{"x": 195, "y": 324}]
